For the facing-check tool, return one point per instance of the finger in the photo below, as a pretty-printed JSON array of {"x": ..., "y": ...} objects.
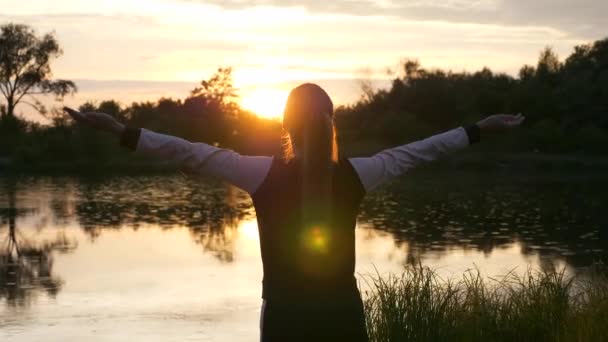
[
  {"x": 73, "y": 113},
  {"x": 517, "y": 122},
  {"x": 77, "y": 116},
  {"x": 514, "y": 118},
  {"x": 69, "y": 110}
]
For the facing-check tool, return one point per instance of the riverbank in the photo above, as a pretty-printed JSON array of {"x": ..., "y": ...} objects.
[
  {"x": 467, "y": 161},
  {"x": 549, "y": 305}
]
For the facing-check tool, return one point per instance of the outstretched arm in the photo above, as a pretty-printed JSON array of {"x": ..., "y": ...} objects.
[
  {"x": 245, "y": 172},
  {"x": 393, "y": 162}
]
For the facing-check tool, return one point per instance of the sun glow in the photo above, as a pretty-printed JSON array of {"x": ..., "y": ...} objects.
[
  {"x": 265, "y": 102},
  {"x": 249, "y": 229}
]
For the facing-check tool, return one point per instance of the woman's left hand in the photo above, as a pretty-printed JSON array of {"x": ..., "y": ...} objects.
[{"x": 500, "y": 122}]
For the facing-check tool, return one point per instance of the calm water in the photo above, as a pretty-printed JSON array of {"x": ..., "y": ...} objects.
[{"x": 173, "y": 259}]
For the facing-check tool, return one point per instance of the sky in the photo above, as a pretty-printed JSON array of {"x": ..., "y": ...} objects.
[{"x": 134, "y": 50}]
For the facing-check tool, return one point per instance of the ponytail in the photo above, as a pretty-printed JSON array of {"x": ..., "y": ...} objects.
[
  {"x": 309, "y": 141},
  {"x": 308, "y": 125}
]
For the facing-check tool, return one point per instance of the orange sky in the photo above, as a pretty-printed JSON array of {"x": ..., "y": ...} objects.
[{"x": 273, "y": 45}]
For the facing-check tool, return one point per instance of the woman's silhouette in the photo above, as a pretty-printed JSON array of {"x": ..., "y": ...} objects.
[{"x": 306, "y": 203}]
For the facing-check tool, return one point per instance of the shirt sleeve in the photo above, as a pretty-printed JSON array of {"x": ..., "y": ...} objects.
[
  {"x": 245, "y": 172},
  {"x": 390, "y": 163}
]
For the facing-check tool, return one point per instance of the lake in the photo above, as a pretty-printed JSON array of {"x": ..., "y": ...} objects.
[{"x": 170, "y": 258}]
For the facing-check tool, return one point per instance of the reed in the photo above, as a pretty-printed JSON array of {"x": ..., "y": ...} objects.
[{"x": 418, "y": 305}]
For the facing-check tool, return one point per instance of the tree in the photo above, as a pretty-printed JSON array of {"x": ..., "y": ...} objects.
[
  {"x": 411, "y": 67},
  {"x": 548, "y": 66},
  {"x": 25, "y": 69},
  {"x": 526, "y": 73},
  {"x": 218, "y": 90}
]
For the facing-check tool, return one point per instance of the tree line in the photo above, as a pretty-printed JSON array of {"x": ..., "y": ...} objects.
[{"x": 565, "y": 102}]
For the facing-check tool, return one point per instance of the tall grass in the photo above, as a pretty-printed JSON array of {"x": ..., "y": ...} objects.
[{"x": 418, "y": 305}]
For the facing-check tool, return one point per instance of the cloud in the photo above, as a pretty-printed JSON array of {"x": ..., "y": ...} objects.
[
  {"x": 584, "y": 18},
  {"x": 188, "y": 39}
]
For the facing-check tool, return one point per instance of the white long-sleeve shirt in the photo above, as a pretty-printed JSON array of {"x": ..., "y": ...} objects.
[{"x": 248, "y": 172}]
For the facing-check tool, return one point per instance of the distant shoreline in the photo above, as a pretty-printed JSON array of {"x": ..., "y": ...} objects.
[{"x": 475, "y": 161}]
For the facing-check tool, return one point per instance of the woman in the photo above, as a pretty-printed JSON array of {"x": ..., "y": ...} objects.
[{"x": 306, "y": 203}]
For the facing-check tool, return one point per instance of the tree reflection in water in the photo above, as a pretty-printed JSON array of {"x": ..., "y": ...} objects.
[
  {"x": 552, "y": 220},
  {"x": 25, "y": 265},
  {"x": 211, "y": 211},
  {"x": 433, "y": 217},
  {"x": 432, "y": 214}
]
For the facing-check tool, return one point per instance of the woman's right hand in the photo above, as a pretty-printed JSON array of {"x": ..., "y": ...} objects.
[{"x": 101, "y": 121}]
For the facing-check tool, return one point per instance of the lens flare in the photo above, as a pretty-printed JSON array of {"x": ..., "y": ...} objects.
[{"x": 316, "y": 239}]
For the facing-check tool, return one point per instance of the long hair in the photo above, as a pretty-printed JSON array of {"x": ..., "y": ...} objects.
[
  {"x": 308, "y": 126},
  {"x": 309, "y": 141}
]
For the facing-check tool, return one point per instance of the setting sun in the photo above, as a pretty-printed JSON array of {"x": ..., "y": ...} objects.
[{"x": 265, "y": 102}]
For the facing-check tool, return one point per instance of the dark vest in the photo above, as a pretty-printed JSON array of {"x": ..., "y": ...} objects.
[{"x": 303, "y": 256}]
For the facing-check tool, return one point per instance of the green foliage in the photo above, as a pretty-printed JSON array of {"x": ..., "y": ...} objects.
[{"x": 538, "y": 306}]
